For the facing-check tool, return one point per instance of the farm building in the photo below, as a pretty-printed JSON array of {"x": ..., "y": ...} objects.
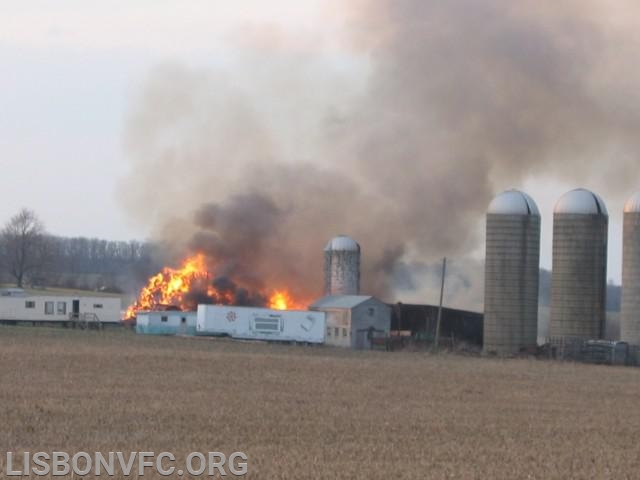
[
  {"x": 43, "y": 306},
  {"x": 250, "y": 323},
  {"x": 169, "y": 322},
  {"x": 353, "y": 320},
  {"x": 455, "y": 325}
]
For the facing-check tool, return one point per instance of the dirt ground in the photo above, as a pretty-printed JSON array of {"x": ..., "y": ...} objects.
[{"x": 315, "y": 412}]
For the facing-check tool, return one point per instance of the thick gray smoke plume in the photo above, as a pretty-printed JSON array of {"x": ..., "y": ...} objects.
[{"x": 440, "y": 105}]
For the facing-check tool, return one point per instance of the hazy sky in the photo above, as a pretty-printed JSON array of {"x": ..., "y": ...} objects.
[{"x": 70, "y": 69}]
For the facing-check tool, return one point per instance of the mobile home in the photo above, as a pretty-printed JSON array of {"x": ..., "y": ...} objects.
[
  {"x": 21, "y": 305},
  {"x": 261, "y": 323},
  {"x": 166, "y": 323}
]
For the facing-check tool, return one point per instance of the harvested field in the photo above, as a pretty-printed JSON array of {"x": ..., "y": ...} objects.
[{"x": 316, "y": 412}]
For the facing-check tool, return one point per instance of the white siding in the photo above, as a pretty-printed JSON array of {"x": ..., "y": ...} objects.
[
  {"x": 261, "y": 323},
  {"x": 107, "y": 309}
]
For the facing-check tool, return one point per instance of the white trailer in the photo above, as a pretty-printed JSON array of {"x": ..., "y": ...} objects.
[
  {"x": 261, "y": 323},
  {"x": 18, "y": 305},
  {"x": 169, "y": 322}
]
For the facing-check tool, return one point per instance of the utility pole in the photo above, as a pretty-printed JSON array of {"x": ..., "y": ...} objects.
[{"x": 444, "y": 272}]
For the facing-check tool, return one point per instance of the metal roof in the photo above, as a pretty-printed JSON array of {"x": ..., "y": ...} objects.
[
  {"x": 342, "y": 243},
  {"x": 513, "y": 202},
  {"x": 340, "y": 301},
  {"x": 633, "y": 204},
  {"x": 581, "y": 201}
]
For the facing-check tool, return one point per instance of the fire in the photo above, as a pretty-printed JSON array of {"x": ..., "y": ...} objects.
[
  {"x": 280, "y": 300},
  {"x": 169, "y": 287},
  {"x": 184, "y": 287}
]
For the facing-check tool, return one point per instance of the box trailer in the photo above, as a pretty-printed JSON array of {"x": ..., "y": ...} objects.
[
  {"x": 261, "y": 323},
  {"x": 171, "y": 322}
]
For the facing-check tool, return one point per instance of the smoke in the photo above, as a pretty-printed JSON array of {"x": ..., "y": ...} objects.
[{"x": 440, "y": 105}]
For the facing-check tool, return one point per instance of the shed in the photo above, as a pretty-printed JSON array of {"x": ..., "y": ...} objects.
[
  {"x": 353, "y": 320},
  {"x": 456, "y": 325},
  {"x": 170, "y": 322}
]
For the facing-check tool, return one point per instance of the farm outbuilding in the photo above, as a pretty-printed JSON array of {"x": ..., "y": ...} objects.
[
  {"x": 171, "y": 322},
  {"x": 43, "y": 306},
  {"x": 455, "y": 325},
  {"x": 353, "y": 320}
]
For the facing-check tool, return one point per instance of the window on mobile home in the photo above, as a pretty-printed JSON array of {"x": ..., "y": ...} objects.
[
  {"x": 62, "y": 308},
  {"x": 29, "y": 304},
  {"x": 97, "y": 305},
  {"x": 48, "y": 308},
  {"x": 164, "y": 318}
]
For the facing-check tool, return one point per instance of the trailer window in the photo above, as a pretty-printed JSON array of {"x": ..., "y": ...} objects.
[
  {"x": 29, "y": 304},
  {"x": 266, "y": 324},
  {"x": 328, "y": 331},
  {"x": 48, "y": 308},
  {"x": 62, "y": 308},
  {"x": 97, "y": 305},
  {"x": 336, "y": 332},
  {"x": 344, "y": 332},
  {"x": 164, "y": 318}
]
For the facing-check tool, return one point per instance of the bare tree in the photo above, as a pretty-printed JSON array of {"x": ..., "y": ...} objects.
[{"x": 23, "y": 246}]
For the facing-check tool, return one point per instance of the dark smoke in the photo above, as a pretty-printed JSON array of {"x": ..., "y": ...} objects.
[{"x": 460, "y": 99}]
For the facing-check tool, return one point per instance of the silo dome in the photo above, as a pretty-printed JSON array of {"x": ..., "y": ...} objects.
[
  {"x": 581, "y": 201},
  {"x": 342, "y": 266},
  {"x": 512, "y": 269},
  {"x": 513, "y": 202},
  {"x": 342, "y": 243},
  {"x": 579, "y": 272},
  {"x": 630, "y": 313},
  {"x": 633, "y": 204}
]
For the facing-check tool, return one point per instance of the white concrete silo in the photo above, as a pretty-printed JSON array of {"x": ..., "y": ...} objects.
[
  {"x": 512, "y": 273},
  {"x": 630, "y": 314},
  {"x": 342, "y": 266},
  {"x": 579, "y": 276}
]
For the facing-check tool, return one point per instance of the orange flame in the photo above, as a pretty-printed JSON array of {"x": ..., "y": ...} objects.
[{"x": 170, "y": 287}]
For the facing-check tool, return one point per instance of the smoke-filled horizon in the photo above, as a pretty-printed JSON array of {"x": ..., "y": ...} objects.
[{"x": 441, "y": 105}]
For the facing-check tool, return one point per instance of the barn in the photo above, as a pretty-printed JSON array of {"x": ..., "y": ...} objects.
[
  {"x": 353, "y": 320},
  {"x": 52, "y": 306},
  {"x": 169, "y": 322},
  {"x": 455, "y": 326}
]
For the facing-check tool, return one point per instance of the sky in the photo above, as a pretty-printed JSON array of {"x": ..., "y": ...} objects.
[{"x": 71, "y": 72}]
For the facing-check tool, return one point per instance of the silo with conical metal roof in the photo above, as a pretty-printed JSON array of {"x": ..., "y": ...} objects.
[
  {"x": 512, "y": 266},
  {"x": 630, "y": 314},
  {"x": 342, "y": 266},
  {"x": 579, "y": 276}
]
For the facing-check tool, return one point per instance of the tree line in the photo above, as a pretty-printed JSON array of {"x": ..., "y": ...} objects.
[{"x": 30, "y": 256}]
